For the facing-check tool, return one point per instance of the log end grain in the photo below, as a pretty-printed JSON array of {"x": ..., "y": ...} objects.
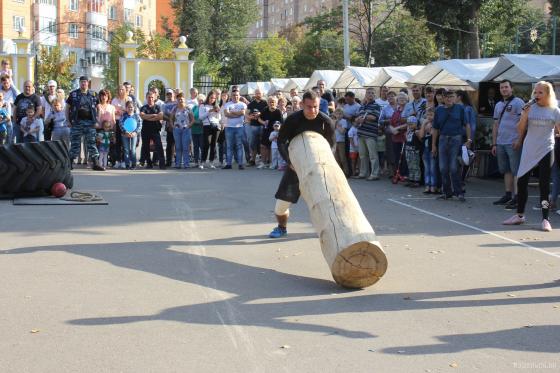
[{"x": 360, "y": 265}]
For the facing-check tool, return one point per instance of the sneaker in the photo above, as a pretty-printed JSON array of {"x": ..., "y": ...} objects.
[
  {"x": 226, "y": 167},
  {"x": 261, "y": 166},
  {"x": 200, "y": 166},
  {"x": 514, "y": 220},
  {"x": 461, "y": 198},
  {"x": 444, "y": 197},
  {"x": 372, "y": 177},
  {"x": 278, "y": 232},
  {"x": 212, "y": 166},
  {"x": 123, "y": 165},
  {"x": 502, "y": 201},
  {"x": 149, "y": 166},
  {"x": 241, "y": 167},
  {"x": 511, "y": 205},
  {"x": 546, "y": 225},
  {"x": 97, "y": 167},
  {"x": 251, "y": 164},
  {"x": 117, "y": 164}
]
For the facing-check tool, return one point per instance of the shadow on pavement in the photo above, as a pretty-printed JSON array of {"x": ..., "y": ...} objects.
[
  {"x": 541, "y": 338},
  {"x": 249, "y": 284}
]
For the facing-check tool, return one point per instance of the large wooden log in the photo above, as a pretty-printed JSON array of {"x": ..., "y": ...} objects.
[{"x": 348, "y": 241}]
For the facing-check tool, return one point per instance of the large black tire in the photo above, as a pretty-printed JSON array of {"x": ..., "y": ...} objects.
[{"x": 32, "y": 168}]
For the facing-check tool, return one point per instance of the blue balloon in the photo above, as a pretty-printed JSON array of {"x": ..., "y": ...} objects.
[{"x": 130, "y": 125}]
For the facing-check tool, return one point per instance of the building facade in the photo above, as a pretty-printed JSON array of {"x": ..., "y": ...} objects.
[
  {"x": 82, "y": 27},
  {"x": 276, "y": 15}
]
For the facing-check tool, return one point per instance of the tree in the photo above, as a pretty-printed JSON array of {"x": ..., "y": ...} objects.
[
  {"x": 52, "y": 64},
  {"x": 453, "y": 21},
  {"x": 502, "y": 24},
  {"x": 271, "y": 57}
]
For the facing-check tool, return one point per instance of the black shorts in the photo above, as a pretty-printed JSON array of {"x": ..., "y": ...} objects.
[{"x": 288, "y": 190}]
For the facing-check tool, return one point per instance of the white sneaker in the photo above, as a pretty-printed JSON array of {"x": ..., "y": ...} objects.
[
  {"x": 117, "y": 164},
  {"x": 123, "y": 165},
  {"x": 261, "y": 166},
  {"x": 200, "y": 166}
]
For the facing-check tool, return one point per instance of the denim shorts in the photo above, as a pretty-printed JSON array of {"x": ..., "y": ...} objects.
[{"x": 508, "y": 159}]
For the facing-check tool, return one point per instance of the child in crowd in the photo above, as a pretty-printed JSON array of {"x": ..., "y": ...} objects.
[
  {"x": 341, "y": 126},
  {"x": 4, "y": 119},
  {"x": 276, "y": 159},
  {"x": 61, "y": 131},
  {"x": 430, "y": 162},
  {"x": 30, "y": 126},
  {"x": 6, "y": 70},
  {"x": 353, "y": 153},
  {"x": 412, "y": 152},
  {"x": 129, "y": 139},
  {"x": 104, "y": 141}
]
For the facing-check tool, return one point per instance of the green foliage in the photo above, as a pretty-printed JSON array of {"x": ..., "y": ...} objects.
[
  {"x": 404, "y": 40},
  {"x": 272, "y": 56},
  {"x": 500, "y": 21},
  {"x": 53, "y": 65}
]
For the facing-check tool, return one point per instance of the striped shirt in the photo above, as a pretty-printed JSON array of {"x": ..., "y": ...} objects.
[{"x": 369, "y": 128}]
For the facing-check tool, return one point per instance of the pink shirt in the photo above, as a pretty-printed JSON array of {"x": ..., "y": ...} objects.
[{"x": 106, "y": 113}]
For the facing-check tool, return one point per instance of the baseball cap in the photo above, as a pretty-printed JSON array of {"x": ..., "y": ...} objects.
[
  {"x": 83, "y": 77},
  {"x": 52, "y": 83},
  {"x": 168, "y": 90}
]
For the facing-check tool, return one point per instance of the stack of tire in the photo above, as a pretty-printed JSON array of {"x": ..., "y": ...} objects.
[{"x": 32, "y": 168}]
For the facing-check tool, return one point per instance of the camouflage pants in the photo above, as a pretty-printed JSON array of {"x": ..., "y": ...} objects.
[{"x": 86, "y": 130}]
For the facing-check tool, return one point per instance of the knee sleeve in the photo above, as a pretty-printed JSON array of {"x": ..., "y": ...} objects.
[{"x": 282, "y": 207}]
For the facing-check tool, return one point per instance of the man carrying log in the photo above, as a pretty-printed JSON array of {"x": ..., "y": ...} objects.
[{"x": 308, "y": 119}]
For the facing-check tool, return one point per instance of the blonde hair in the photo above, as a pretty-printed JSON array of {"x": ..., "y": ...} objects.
[
  {"x": 201, "y": 97},
  {"x": 402, "y": 95},
  {"x": 550, "y": 94}
]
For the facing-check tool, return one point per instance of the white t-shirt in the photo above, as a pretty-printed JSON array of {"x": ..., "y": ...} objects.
[
  {"x": 235, "y": 106},
  {"x": 353, "y": 136},
  {"x": 191, "y": 102},
  {"x": 32, "y": 126}
]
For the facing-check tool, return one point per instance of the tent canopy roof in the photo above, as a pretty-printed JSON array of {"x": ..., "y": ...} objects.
[
  {"x": 298, "y": 83},
  {"x": 454, "y": 73},
  {"x": 329, "y": 76},
  {"x": 355, "y": 77},
  {"x": 525, "y": 68},
  {"x": 394, "y": 76},
  {"x": 277, "y": 84}
]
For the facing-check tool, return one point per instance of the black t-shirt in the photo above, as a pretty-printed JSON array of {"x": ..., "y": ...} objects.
[
  {"x": 22, "y": 102},
  {"x": 150, "y": 124},
  {"x": 260, "y": 106},
  {"x": 328, "y": 96},
  {"x": 271, "y": 116},
  {"x": 297, "y": 123}
]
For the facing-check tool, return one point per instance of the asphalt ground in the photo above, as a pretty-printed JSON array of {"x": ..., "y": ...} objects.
[{"x": 177, "y": 274}]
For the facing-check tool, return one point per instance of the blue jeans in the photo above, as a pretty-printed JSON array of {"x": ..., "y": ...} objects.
[
  {"x": 182, "y": 138},
  {"x": 198, "y": 144},
  {"x": 129, "y": 144},
  {"x": 255, "y": 133},
  {"x": 430, "y": 168},
  {"x": 449, "y": 148},
  {"x": 234, "y": 142}
]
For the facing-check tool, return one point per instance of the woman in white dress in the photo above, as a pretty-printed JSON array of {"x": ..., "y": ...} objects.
[{"x": 536, "y": 133}]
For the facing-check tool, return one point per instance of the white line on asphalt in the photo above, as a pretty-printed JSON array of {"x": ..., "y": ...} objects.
[
  {"x": 475, "y": 228},
  {"x": 469, "y": 197}
]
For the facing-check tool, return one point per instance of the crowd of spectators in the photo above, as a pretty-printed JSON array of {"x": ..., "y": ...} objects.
[{"x": 423, "y": 140}]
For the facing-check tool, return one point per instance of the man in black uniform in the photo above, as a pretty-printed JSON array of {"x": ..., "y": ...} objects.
[
  {"x": 151, "y": 116},
  {"x": 308, "y": 119}
]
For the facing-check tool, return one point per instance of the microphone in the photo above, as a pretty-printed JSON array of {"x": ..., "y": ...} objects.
[{"x": 528, "y": 104}]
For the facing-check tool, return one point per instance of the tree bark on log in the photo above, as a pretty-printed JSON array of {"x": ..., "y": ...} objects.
[{"x": 348, "y": 241}]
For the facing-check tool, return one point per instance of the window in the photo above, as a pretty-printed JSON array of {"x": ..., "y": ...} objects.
[
  {"x": 73, "y": 57},
  {"x": 97, "y": 58},
  {"x": 48, "y": 2},
  {"x": 138, "y": 21},
  {"x": 96, "y": 6},
  {"x": 112, "y": 12},
  {"x": 96, "y": 32},
  {"x": 19, "y": 22},
  {"x": 74, "y": 5},
  {"x": 128, "y": 15},
  {"x": 73, "y": 31}
]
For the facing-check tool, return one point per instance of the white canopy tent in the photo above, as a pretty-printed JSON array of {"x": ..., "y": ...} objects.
[
  {"x": 297, "y": 83},
  {"x": 277, "y": 85},
  {"x": 249, "y": 88},
  {"x": 329, "y": 76},
  {"x": 525, "y": 68},
  {"x": 454, "y": 73},
  {"x": 394, "y": 76},
  {"x": 354, "y": 77}
]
